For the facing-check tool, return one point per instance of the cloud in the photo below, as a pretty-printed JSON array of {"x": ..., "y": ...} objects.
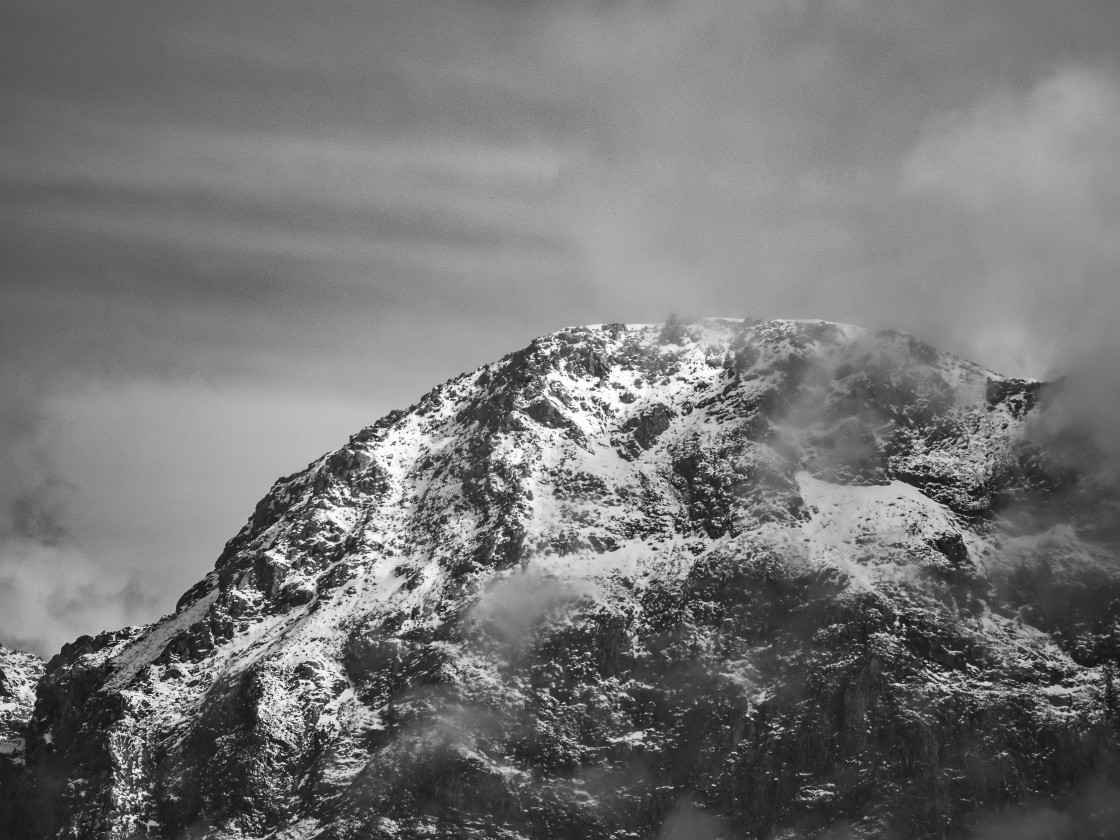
[
  {"x": 1029, "y": 183},
  {"x": 51, "y": 594},
  {"x": 511, "y": 608},
  {"x": 33, "y": 498},
  {"x": 50, "y": 591},
  {"x": 1043, "y": 150},
  {"x": 506, "y": 170}
]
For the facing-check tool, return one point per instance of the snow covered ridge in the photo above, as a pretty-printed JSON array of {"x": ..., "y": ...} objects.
[{"x": 747, "y": 575}]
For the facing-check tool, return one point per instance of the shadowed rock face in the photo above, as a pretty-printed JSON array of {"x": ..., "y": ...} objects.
[{"x": 713, "y": 579}]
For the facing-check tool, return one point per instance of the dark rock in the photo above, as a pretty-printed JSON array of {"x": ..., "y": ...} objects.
[{"x": 649, "y": 425}]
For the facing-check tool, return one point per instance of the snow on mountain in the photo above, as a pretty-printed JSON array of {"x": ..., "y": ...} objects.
[
  {"x": 19, "y": 674},
  {"x": 746, "y": 575}
]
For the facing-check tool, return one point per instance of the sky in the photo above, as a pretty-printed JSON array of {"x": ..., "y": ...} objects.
[{"x": 232, "y": 234}]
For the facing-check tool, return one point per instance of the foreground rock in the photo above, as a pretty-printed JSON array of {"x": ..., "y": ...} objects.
[{"x": 721, "y": 579}]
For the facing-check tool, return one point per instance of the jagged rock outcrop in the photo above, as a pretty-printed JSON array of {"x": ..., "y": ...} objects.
[
  {"x": 20, "y": 672},
  {"x": 717, "y": 579}
]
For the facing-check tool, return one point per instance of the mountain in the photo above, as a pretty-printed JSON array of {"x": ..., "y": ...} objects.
[
  {"x": 785, "y": 579},
  {"x": 19, "y": 674}
]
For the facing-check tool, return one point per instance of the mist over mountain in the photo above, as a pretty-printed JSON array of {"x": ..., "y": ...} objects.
[{"x": 715, "y": 579}]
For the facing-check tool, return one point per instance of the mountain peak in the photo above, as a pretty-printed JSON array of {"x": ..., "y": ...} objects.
[{"x": 749, "y": 569}]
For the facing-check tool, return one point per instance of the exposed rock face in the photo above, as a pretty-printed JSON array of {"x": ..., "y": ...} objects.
[
  {"x": 721, "y": 579},
  {"x": 19, "y": 674}
]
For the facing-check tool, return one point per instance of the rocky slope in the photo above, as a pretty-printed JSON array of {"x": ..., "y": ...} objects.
[
  {"x": 19, "y": 674},
  {"x": 719, "y": 579}
]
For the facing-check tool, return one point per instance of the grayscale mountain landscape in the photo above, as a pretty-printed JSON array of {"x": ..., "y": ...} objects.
[
  {"x": 772, "y": 489},
  {"x": 726, "y": 578}
]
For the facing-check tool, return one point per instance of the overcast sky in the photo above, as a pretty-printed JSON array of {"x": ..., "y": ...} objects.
[{"x": 232, "y": 234}]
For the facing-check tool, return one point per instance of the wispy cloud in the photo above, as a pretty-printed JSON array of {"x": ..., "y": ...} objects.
[{"x": 1030, "y": 181}]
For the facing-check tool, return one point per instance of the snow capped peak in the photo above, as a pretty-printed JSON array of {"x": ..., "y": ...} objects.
[{"x": 535, "y": 577}]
